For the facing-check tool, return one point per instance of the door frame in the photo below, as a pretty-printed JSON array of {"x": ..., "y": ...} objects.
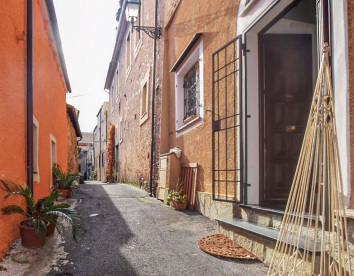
[{"x": 261, "y": 107}]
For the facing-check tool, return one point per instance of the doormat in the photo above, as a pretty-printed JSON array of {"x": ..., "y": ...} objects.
[{"x": 222, "y": 246}]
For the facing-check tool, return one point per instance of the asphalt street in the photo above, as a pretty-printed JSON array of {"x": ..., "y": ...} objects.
[{"x": 129, "y": 233}]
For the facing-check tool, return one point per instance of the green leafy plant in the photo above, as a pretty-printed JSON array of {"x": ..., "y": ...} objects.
[
  {"x": 65, "y": 181},
  {"x": 176, "y": 196},
  {"x": 94, "y": 174},
  {"x": 44, "y": 210}
]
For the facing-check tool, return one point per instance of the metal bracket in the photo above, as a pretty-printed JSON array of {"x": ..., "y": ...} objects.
[
  {"x": 244, "y": 49},
  {"x": 153, "y": 32},
  {"x": 216, "y": 125}
]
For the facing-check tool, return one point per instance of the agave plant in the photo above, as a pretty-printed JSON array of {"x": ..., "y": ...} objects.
[
  {"x": 65, "y": 181},
  {"x": 44, "y": 210}
]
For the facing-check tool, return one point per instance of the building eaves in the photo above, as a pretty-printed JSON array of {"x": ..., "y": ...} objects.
[
  {"x": 55, "y": 30},
  {"x": 74, "y": 119},
  {"x": 123, "y": 24}
]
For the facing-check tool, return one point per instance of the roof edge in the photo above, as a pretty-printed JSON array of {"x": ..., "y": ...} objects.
[{"x": 55, "y": 29}]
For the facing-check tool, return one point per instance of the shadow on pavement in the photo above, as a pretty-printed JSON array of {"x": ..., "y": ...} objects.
[{"x": 98, "y": 252}]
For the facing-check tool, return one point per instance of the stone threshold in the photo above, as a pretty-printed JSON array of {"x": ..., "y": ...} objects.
[
  {"x": 260, "y": 231},
  {"x": 269, "y": 210}
]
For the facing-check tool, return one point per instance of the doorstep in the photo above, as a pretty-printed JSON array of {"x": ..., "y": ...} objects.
[{"x": 264, "y": 232}]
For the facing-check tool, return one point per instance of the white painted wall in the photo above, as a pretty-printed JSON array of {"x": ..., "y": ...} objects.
[
  {"x": 253, "y": 21},
  {"x": 341, "y": 89}
]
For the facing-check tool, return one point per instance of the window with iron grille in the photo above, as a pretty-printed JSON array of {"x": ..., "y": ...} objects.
[{"x": 191, "y": 88}]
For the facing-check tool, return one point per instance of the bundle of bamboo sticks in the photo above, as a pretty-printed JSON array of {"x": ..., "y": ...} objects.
[{"x": 313, "y": 238}]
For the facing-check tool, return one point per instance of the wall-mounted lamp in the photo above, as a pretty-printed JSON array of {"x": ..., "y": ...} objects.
[{"x": 132, "y": 13}]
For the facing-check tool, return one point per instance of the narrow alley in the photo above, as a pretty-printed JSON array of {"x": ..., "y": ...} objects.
[{"x": 130, "y": 233}]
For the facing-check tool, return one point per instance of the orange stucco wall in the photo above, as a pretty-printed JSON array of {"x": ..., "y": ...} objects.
[
  {"x": 217, "y": 21},
  {"x": 49, "y": 106}
]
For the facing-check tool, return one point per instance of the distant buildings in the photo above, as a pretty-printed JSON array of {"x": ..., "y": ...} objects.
[
  {"x": 100, "y": 141},
  {"x": 86, "y": 156}
]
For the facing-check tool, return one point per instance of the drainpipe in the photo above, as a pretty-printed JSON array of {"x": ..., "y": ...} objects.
[
  {"x": 325, "y": 22},
  {"x": 29, "y": 88},
  {"x": 153, "y": 106}
]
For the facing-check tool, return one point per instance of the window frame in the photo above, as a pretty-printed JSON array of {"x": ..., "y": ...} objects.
[
  {"x": 144, "y": 116},
  {"x": 195, "y": 55},
  {"x": 53, "y": 156},
  {"x": 117, "y": 84},
  {"x": 128, "y": 58},
  {"x": 137, "y": 44},
  {"x": 36, "y": 176}
]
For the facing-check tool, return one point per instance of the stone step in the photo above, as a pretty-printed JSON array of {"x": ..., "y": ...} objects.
[
  {"x": 260, "y": 240},
  {"x": 263, "y": 216}
]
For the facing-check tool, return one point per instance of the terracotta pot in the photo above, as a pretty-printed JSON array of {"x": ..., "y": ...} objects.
[
  {"x": 51, "y": 227},
  {"x": 64, "y": 193},
  {"x": 68, "y": 194},
  {"x": 29, "y": 237},
  {"x": 178, "y": 205},
  {"x": 111, "y": 179}
]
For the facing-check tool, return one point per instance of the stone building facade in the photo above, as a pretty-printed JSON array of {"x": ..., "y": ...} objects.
[{"x": 129, "y": 84}]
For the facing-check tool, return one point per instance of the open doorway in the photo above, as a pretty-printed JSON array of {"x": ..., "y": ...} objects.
[{"x": 282, "y": 58}]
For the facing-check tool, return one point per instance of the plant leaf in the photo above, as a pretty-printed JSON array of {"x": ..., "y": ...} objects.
[{"x": 13, "y": 209}]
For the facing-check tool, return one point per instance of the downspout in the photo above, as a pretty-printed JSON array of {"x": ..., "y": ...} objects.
[
  {"x": 29, "y": 88},
  {"x": 153, "y": 105}
]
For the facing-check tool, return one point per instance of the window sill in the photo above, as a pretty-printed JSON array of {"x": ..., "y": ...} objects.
[
  {"x": 185, "y": 126},
  {"x": 143, "y": 118},
  {"x": 247, "y": 8},
  {"x": 137, "y": 48},
  {"x": 128, "y": 71}
]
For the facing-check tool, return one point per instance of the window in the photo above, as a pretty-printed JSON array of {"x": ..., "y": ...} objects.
[
  {"x": 53, "y": 156},
  {"x": 102, "y": 158},
  {"x": 191, "y": 87},
  {"x": 128, "y": 53},
  {"x": 121, "y": 131},
  {"x": 144, "y": 100},
  {"x": 138, "y": 35},
  {"x": 35, "y": 149},
  {"x": 117, "y": 85},
  {"x": 189, "y": 91}
]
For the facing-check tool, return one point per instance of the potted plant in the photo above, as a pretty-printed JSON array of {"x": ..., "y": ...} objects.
[
  {"x": 65, "y": 183},
  {"x": 42, "y": 217},
  {"x": 177, "y": 200}
]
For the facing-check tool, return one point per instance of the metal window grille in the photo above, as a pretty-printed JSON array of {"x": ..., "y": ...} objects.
[
  {"x": 191, "y": 87},
  {"x": 226, "y": 122}
]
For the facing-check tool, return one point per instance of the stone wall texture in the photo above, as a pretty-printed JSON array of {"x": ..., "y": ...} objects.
[
  {"x": 216, "y": 20},
  {"x": 72, "y": 147}
]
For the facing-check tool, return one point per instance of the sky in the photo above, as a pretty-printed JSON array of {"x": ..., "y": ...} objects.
[{"x": 88, "y": 31}]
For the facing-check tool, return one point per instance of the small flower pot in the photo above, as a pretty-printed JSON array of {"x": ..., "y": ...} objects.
[
  {"x": 178, "y": 206},
  {"x": 69, "y": 193},
  {"x": 29, "y": 237},
  {"x": 51, "y": 227}
]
